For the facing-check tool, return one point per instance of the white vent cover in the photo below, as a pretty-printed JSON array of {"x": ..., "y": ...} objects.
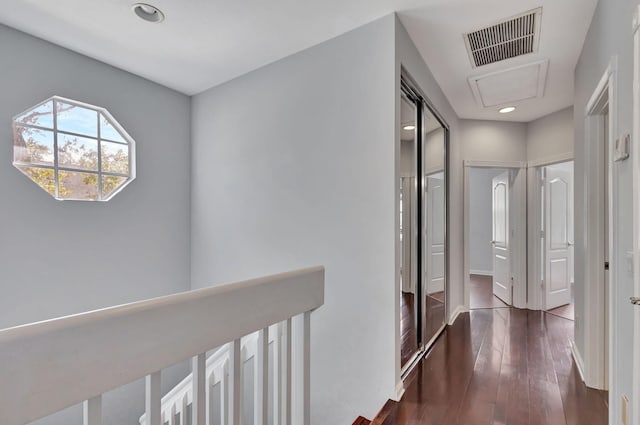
[{"x": 515, "y": 36}]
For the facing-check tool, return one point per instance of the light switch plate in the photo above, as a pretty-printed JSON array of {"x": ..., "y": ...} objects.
[{"x": 622, "y": 146}]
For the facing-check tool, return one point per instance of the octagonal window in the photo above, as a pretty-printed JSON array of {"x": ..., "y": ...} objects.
[{"x": 72, "y": 150}]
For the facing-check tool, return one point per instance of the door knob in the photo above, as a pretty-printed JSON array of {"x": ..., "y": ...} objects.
[
  {"x": 569, "y": 243},
  {"x": 635, "y": 300}
]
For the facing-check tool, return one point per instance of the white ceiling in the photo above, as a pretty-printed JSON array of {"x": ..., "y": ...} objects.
[
  {"x": 437, "y": 30},
  {"x": 203, "y": 43}
]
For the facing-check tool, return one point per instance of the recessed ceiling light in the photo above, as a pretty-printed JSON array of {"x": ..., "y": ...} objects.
[
  {"x": 148, "y": 13},
  {"x": 409, "y": 127},
  {"x": 507, "y": 109}
]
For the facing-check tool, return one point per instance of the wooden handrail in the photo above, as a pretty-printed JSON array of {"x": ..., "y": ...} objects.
[{"x": 48, "y": 366}]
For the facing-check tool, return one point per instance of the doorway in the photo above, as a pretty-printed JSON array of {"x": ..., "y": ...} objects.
[
  {"x": 422, "y": 236},
  {"x": 495, "y": 217},
  {"x": 489, "y": 245},
  {"x": 600, "y": 234}
]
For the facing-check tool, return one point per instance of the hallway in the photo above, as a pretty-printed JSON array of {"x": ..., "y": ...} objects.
[{"x": 501, "y": 366}]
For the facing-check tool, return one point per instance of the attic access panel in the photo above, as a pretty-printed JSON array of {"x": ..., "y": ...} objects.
[{"x": 510, "y": 85}]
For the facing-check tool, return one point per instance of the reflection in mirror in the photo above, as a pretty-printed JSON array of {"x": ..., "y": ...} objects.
[
  {"x": 422, "y": 226},
  {"x": 409, "y": 295},
  {"x": 434, "y": 225}
]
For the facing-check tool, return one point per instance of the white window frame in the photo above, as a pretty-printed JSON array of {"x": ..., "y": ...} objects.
[{"x": 130, "y": 143}]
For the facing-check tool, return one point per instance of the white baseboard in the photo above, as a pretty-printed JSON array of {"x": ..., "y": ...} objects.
[
  {"x": 577, "y": 358},
  {"x": 456, "y": 312},
  {"x": 399, "y": 390},
  {"x": 482, "y": 272}
]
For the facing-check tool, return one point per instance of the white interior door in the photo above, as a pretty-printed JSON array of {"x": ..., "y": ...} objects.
[
  {"x": 557, "y": 271},
  {"x": 435, "y": 220},
  {"x": 500, "y": 243}
]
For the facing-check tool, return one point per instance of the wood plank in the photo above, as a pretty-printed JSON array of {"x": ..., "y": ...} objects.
[{"x": 500, "y": 366}]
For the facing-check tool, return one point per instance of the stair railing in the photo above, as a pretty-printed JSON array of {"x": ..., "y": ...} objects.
[
  {"x": 176, "y": 404},
  {"x": 48, "y": 366}
]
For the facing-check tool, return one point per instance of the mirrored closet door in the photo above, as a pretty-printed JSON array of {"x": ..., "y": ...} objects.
[{"x": 422, "y": 225}]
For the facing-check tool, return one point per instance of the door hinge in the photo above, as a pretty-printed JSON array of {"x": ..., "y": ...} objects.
[{"x": 606, "y": 265}]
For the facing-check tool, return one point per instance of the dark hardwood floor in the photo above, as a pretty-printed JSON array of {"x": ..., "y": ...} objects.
[
  {"x": 481, "y": 293},
  {"x": 566, "y": 311},
  {"x": 434, "y": 317},
  {"x": 500, "y": 366}
]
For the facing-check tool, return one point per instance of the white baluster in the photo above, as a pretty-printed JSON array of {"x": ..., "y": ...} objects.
[
  {"x": 235, "y": 379},
  {"x": 92, "y": 411},
  {"x": 185, "y": 409},
  {"x": 172, "y": 415},
  {"x": 210, "y": 400},
  {"x": 198, "y": 373},
  {"x": 277, "y": 375},
  {"x": 286, "y": 373},
  {"x": 224, "y": 395},
  {"x": 261, "y": 383},
  {"x": 153, "y": 399},
  {"x": 306, "y": 368}
]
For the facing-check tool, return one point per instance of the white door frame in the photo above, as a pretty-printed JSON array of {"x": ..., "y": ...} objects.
[
  {"x": 518, "y": 241},
  {"x": 635, "y": 396},
  {"x": 534, "y": 184},
  {"x": 592, "y": 325}
]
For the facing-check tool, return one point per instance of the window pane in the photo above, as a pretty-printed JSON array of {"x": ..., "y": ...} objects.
[
  {"x": 41, "y": 116},
  {"x": 110, "y": 184},
  {"x": 43, "y": 177},
  {"x": 31, "y": 145},
  {"x": 77, "y": 185},
  {"x": 107, "y": 131},
  {"x": 77, "y": 119},
  {"x": 115, "y": 157},
  {"x": 77, "y": 152}
]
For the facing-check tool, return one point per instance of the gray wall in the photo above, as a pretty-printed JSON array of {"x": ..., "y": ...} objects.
[
  {"x": 610, "y": 34},
  {"x": 481, "y": 219},
  {"x": 293, "y": 165},
  {"x": 550, "y": 135},
  {"x": 59, "y": 258},
  {"x": 494, "y": 140}
]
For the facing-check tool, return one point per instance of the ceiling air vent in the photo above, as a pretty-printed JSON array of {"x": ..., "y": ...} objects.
[{"x": 512, "y": 37}]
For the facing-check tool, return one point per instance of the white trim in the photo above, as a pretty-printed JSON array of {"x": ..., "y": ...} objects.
[
  {"x": 534, "y": 226},
  {"x": 593, "y": 320},
  {"x": 399, "y": 390},
  {"x": 577, "y": 358},
  {"x": 519, "y": 271},
  {"x": 457, "y": 312},
  {"x": 635, "y": 397},
  {"x": 494, "y": 164},
  {"x": 481, "y": 272},
  {"x": 554, "y": 159}
]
